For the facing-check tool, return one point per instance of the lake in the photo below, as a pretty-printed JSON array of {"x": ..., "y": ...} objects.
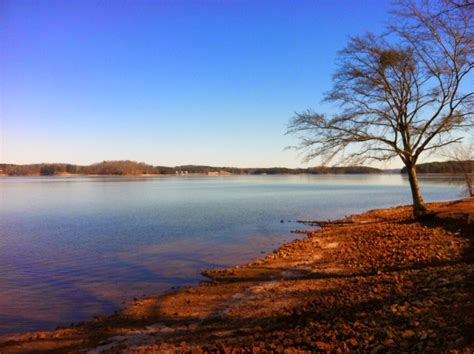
[{"x": 75, "y": 247}]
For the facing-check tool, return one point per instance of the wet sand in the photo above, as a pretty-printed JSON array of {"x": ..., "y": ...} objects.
[{"x": 375, "y": 282}]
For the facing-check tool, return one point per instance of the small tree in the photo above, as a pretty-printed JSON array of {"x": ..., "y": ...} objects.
[
  {"x": 462, "y": 158},
  {"x": 399, "y": 94}
]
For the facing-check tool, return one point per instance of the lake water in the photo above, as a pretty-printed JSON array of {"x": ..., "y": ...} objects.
[{"x": 71, "y": 248}]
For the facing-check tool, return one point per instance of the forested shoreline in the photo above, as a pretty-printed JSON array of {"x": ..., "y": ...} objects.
[
  {"x": 445, "y": 167},
  {"x": 133, "y": 168}
]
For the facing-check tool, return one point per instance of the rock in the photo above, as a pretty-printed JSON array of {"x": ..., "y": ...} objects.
[
  {"x": 353, "y": 342},
  {"x": 42, "y": 335},
  {"x": 423, "y": 335},
  {"x": 322, "y": 346},
  {"x": 378, "y": 349},
  {"x": 408, "y": 333}
]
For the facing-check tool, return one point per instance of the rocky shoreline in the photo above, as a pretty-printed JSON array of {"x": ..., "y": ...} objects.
[{"x": 375, "y": 282}]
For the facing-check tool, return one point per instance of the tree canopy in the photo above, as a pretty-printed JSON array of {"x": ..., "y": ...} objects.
[{"x": 399, "y": 94}]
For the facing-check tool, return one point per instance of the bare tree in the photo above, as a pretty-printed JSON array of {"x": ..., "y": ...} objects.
[
  {"x": 398, "y": 94},
  {"x": 462, "y": 158}
]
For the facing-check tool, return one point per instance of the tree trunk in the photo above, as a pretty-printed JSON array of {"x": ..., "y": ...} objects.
[
  {"x": 419, "y": 208},
  {"x": 468, "y": 179}
]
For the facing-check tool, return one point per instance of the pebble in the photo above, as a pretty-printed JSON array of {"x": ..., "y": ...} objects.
[{"x": 408, "y": 333}]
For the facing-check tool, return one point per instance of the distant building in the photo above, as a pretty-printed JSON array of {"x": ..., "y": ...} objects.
[{"x": 218, "y": 173}]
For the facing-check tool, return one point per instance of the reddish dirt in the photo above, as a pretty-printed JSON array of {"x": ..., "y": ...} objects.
[{"x": 375, "y": 282}]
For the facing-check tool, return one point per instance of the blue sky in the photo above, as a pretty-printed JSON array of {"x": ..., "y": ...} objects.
[{"x": 167, "y": 82}]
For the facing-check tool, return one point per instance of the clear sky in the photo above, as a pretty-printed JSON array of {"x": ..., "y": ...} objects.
[{"x": 167, "y": 82}]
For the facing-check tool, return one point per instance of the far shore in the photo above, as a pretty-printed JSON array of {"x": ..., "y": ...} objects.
[
  {"x": 117, "y": 175},
  {"x": 132, "y": 168},
  {"x": 227, "y": 174},
  {"x": 376, "y": 282}
]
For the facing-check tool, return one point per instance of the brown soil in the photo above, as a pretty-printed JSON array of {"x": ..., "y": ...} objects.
[{"x": 376, "y": 282}]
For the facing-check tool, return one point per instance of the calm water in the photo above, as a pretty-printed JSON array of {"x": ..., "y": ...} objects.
[{"x": 71, "y": 248}]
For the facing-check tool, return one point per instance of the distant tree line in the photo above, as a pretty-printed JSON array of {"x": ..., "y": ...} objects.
[
  {"x": 114, "y": 168},
  {"x": 456, "y": 167},
  {"x": 317, "y": 170},
  {"x": 133, "y": 168},
  {"x": 38, "y": 169},
  {"x": 120, "y": 168}
]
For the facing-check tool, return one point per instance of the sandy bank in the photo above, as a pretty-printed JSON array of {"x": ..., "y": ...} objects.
[{"x": 378, "y": 281}]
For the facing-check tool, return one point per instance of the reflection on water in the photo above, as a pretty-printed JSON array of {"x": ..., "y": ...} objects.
[{"x": 71, "y": 248}]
